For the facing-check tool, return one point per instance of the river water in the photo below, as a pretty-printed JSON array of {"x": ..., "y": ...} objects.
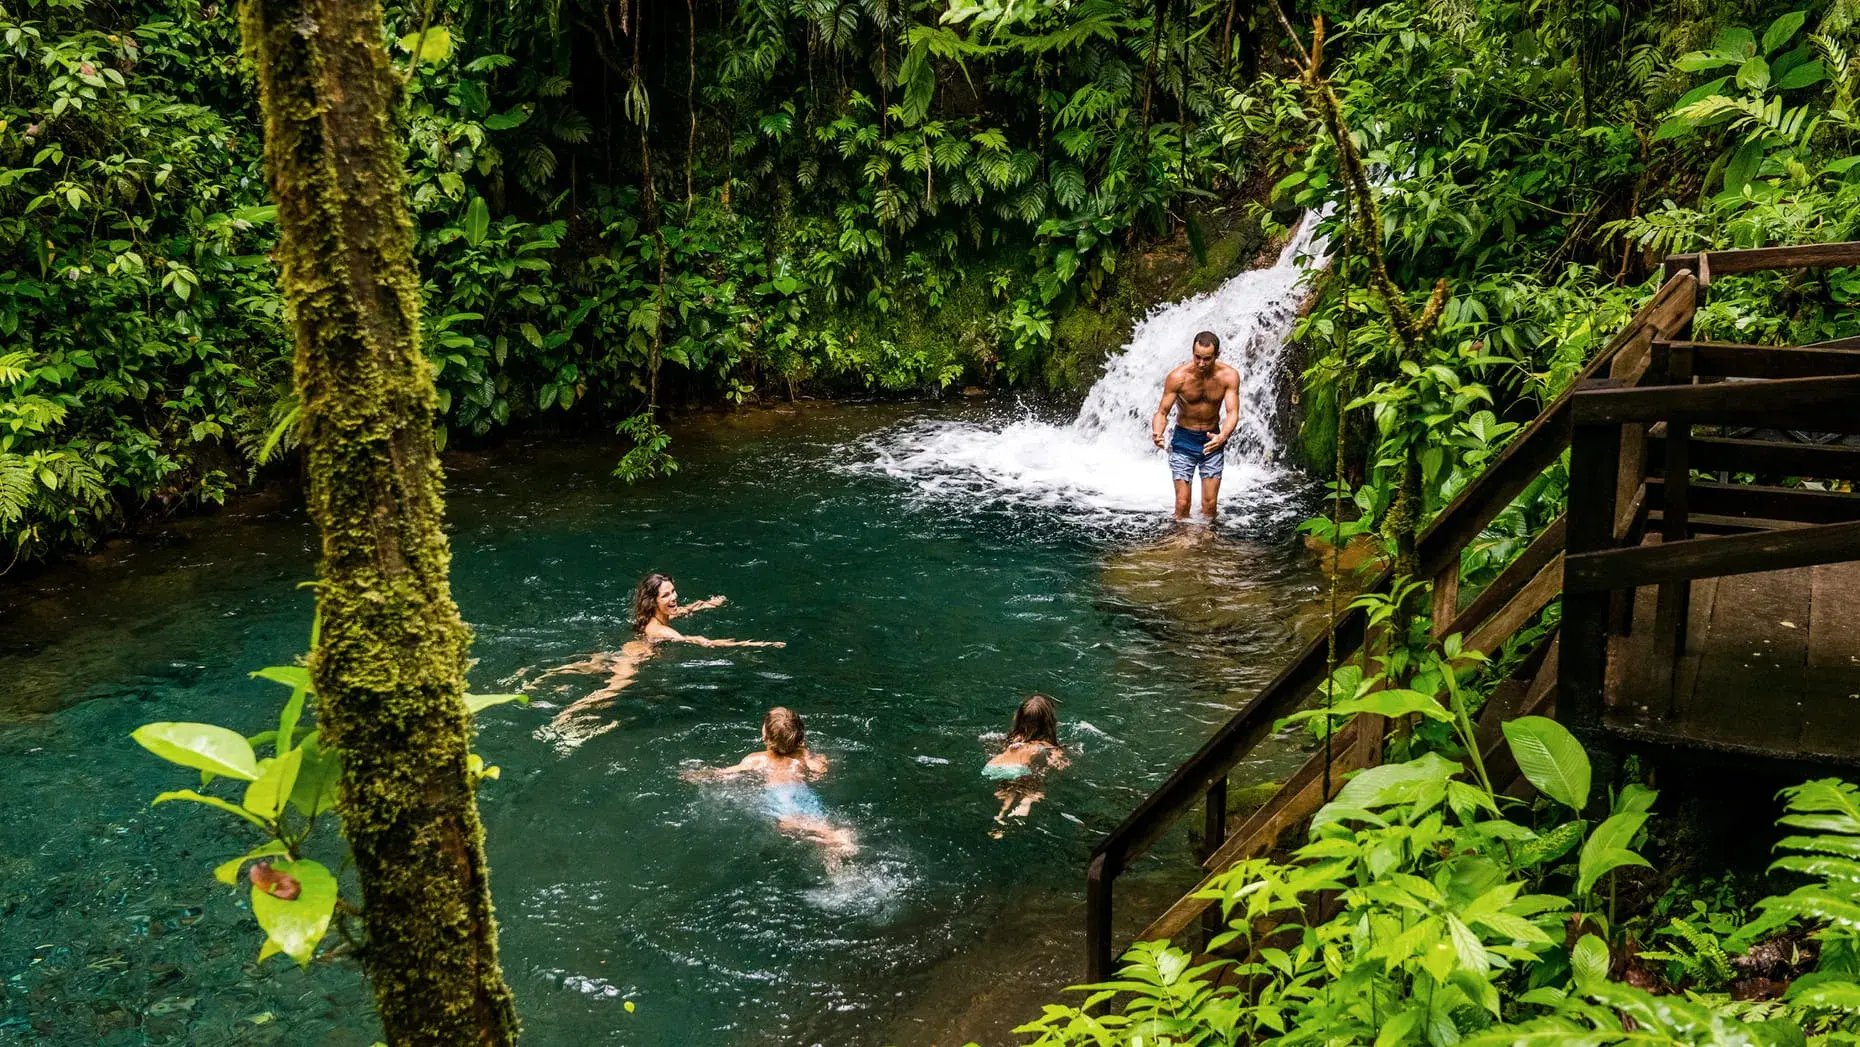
[{"x": 921, "y": 592}]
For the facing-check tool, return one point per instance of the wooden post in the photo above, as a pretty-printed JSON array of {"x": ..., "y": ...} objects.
[
  {"x": 1099, "y": 877},
  {"x": 1583, "y": 655},
  {"x": 1213, "y": 835},
  {"x": 1675, "y": 598}
]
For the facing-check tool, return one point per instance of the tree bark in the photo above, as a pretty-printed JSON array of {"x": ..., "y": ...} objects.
[{"x": 389, "y": 670}]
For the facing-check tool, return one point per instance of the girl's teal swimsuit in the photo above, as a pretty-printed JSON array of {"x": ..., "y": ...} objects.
[
  {"x": 792, "y": 800},
  {"x": 1005, "y": 772}
]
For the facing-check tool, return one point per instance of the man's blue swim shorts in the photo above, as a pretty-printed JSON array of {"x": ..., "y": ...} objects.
[{"x": 1186, "y": 455}]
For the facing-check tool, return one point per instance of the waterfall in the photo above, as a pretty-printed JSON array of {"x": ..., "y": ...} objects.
[{"x": 1102, "y": 461}]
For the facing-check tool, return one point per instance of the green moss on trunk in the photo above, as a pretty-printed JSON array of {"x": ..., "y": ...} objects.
[{"x": 390, "y": 667}]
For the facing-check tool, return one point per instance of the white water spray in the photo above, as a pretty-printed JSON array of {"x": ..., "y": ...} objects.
[{"x": 1103, "y": 461}]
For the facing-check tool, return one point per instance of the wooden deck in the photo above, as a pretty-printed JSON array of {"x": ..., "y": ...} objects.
[{"x": 1771, "y": 668}]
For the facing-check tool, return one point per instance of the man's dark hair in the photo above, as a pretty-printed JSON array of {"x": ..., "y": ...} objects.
[{"x": 1209, "y": 338}]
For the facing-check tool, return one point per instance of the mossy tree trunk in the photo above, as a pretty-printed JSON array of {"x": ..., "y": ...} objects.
[{"x": 390, "y": 667}]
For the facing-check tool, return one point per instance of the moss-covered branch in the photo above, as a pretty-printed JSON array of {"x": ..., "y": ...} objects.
[{"x": 390, "y": 667}]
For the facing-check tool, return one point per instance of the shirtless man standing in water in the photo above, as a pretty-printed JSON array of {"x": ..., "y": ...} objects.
[{"x": 1208, "y": 393}]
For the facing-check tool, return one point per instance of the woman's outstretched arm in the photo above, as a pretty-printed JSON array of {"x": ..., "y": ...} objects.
[{"x": 702, "y": 605}]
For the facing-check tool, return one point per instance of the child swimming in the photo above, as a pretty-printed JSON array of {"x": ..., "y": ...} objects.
[
  {"x": 1032, "y": 749},
  {"x": 786, "y": 766}
]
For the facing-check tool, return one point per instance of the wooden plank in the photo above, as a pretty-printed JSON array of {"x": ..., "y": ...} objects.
[
  {"x": 1631, "y": 678},
  {"x": 1757, "y": 259},
  {"x": 1445, "y": 598},
  {"x": 1600, "y": 571},
  {"x": 1850, "y": 342},
  {"x": 1758, "y": 646},
  {"x": 1704, "y": 599},
  {"x": 1547, "y": 546},
  {"x": 1632, "y": 359},
  {"x": 1708, "y": 523},
  {"x": 1542, "y": 441},
  {"x": 1834, "y": 616},
  {"x": 1800, "y": 504},
  {"x": 1519, "y": 609},
  {"x": 1738, "y": 360},
  {"x": 1768, "y": 457},
  {"x": 1818, "y": 404}
]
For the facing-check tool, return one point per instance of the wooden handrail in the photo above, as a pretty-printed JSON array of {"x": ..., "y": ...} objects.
[
  {"x": 1736, "y": 360},
  {"x": 1795, "y": 403},
  {"x": 1606, "y": 570},
  {"x": 1758, "y": 259}
]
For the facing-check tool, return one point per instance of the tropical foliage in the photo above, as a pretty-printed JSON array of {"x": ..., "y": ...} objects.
[
  {"x": 1531, "y": 165},
  {"x": 1460, "y": 916},
  {"x": 624, "y": 206},
  {"x": 618, "y": 206}
]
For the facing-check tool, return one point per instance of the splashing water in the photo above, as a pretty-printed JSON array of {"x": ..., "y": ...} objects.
[{"x": 1102, "y": 463}]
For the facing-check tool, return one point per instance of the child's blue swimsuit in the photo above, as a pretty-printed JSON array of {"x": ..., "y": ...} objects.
[
  {"x": 793, "y": 800},
  {"x": 1005, "y": 772}
]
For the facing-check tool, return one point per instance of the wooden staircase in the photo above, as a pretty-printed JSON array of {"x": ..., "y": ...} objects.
[{"x": 1640, "y": 534}]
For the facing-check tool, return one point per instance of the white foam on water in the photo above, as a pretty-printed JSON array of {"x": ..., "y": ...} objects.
[{"x": 1103, "y": 462}]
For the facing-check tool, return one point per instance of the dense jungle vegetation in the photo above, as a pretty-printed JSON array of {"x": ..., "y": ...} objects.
[{"x": 623, "y": 206}]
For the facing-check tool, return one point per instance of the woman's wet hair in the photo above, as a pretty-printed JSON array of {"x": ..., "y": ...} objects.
[
  {"x": 1035, "y": 721},
  {"x": 646, "y": 600},
  {"x": 783, "y": 730}
]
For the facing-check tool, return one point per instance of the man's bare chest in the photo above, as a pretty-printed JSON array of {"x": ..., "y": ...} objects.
[{"x": 1202, "y": 391}]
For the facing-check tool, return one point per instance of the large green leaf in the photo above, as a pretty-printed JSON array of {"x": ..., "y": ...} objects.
[
  {"x": 1753, "y": 74},
  {"x": 477, "y": 220},
  {"x": 1394, "y": 702},
  {"x": 210, "y": 801},
  {"x": 294, "y": 927},
  {"x": 1783, "y": 30},
  {"x": 435, "y": 46},
  {"x": 1607, "y": 849},
  {"x": 477, "y": 703},
  {"x": 202, "y": 746},
  {"x": 315, "y": 790},
  {"x": 266, "y": 796},
  {"x": 1551, "y": 759},
  {"x": 1588, "y": 961},
  {"x": 1807, "y": 74},
  {"x": 295, "y": 677},
  {"x": 1393, "y": 783}
]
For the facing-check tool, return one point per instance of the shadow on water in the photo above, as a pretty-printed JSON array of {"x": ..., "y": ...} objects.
[{"x": 914, "y": 625}]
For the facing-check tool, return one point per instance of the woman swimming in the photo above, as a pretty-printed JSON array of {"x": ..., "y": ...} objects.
[
  {"x": 1032, "y": 749},
  {"x": 655, "y": 604},
  {"x": 786, "y": 766}
]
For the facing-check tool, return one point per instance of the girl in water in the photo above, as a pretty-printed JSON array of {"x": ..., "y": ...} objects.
[
  {"x": 655, "y": 604},
  {"x": 1032, "y": 749},
  {"x": 786, "y": 766}
]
